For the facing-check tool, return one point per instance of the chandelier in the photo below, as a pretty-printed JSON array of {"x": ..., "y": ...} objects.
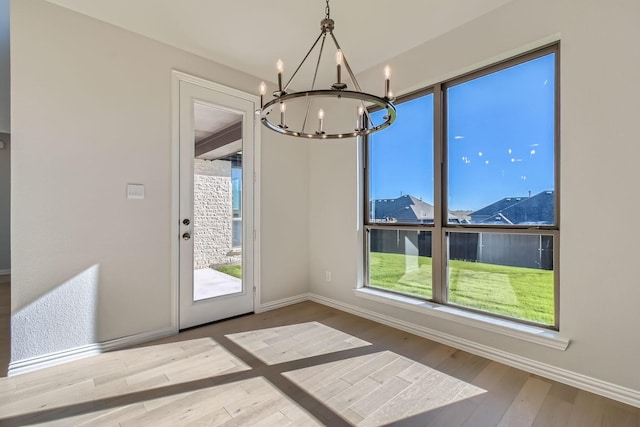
[{"x": 338, "y": 99}]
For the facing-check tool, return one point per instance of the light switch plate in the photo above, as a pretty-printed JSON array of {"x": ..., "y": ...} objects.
[{"x": 135, "y": 191}]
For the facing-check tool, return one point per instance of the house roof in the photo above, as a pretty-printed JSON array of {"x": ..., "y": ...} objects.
[
  {"x": 497, "y": 206},
  {"x": 405, "y": 208},
  {"x": 538, "y": 209}
]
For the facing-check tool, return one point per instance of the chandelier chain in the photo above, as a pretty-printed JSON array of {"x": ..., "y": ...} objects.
[{"x": 327, "y": 10}]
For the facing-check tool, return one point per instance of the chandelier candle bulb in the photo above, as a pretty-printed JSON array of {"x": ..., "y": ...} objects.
[
  {"x": 360, "y": 120},
  {"x": 263, "y": 90},
  {"x": 387, "y": 77},
  {"x": 280, "y": 67},
  {"x": 339, "y": 65},
  {"x": 283, "y": 108},
  {"x": 320, "y": 120}
]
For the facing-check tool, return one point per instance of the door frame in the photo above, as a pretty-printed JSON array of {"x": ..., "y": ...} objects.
[{"x": 176, "y": 78}]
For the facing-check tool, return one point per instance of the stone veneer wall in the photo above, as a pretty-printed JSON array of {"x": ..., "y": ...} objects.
[{"x": 212, "y": 198}]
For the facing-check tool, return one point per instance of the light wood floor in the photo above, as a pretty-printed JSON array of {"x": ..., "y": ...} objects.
[{"x": 302, "y": 365}]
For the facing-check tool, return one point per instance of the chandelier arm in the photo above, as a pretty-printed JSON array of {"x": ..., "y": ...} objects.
[
  {"x": 369, "y": 119},
  {"x": 346, "y": 63},
  {"x": 315, "y": 73},
  {"x": 356, "y": 85},
  {"x": 313, "y": 82},
  {"x": 306, "y": 115},
  {"x": 302, "y": 62},
  {"x": 366, "y": 113}
]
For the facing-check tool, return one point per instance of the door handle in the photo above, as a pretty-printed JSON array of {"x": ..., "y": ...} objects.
[{"x": 186, "y": 236}]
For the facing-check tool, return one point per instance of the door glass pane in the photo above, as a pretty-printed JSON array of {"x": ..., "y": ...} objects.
[
  {"x": 217, "y": 203},
  {"x": 503, "y": 273},
  {"x": 501, "y": 145},
  {"x": 401, "y": 165},
  {"x": 400, "y": 261}
]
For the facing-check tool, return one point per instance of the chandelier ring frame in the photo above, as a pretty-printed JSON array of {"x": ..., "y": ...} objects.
[{"x": 382, "y": 103}]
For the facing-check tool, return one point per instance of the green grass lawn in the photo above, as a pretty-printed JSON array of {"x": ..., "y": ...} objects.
[
  {"x": 232, "y": 270},
  {"x": 523, "y": 293},
  {"x": 389, "y": 271}
]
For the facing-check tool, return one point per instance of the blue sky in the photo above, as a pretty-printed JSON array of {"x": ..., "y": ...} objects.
[{"x": 500, "y": 139}]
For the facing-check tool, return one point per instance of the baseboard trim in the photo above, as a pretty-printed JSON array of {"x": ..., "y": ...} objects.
[
  {"x": 76, "y": 353},
  {"x": 584, "y": 382},
  {"x": 5, "y": 272},
  {"x": 268, "y": 306},
  {"x": 64, "y": 356}
]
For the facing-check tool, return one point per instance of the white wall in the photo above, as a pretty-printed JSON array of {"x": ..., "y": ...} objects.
[
  {"x": 5, "y": 155},
  {"x": 5, "y": 202},
  {"x": 91, "y": 112},
  {"x": 5, "y": 102},
  {"x": 285, "y": 217},
  {"x": 599, "y": 107}
]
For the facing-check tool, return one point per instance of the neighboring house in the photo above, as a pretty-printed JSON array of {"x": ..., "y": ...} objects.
[
  {"x": 404, "y": 209},
  {"x": 524, "y": 250},
  {"x": 534, "y": 210}
]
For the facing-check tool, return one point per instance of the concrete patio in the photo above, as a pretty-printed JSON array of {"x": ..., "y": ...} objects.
[{"x": 210, "y": 283}]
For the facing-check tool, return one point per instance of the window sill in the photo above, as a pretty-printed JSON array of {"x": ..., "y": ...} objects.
[{"x": 528, "y": 333}]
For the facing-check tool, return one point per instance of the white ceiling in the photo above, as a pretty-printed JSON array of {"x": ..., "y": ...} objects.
[{"x": 250, "y": 35}]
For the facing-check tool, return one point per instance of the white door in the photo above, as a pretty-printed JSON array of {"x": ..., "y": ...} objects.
[{"x": 216, "y": 237}]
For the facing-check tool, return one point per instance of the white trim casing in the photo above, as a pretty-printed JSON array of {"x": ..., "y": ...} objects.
[
  {"x": 257, "y": 173},
  {"x": 176, "y": 78},
  {"x": 261, "y": 308},
  {"x": 64, "y": 356},
  {"x": 175, "y": 197},
  {"x": 529, "y": 333}
]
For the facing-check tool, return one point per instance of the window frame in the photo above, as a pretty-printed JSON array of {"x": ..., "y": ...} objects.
[
  {"x": 236, "y": 196},
  {"x": 441, "y": 226}
]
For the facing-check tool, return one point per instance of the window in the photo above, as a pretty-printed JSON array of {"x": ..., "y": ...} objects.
[{"x": 461, "y": 197}]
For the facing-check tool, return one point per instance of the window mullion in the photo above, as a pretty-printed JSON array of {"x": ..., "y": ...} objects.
[{"x": 437, "y": 250}]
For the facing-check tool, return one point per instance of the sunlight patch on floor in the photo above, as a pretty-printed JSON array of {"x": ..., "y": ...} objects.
[
  {"x": 380, "y": 388},
  {"x": 125, "y": 371},
  {"x": 294, "y": 342}
]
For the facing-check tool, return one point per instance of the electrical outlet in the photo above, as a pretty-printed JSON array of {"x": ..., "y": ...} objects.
[{"x": 327, "y": 276}]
